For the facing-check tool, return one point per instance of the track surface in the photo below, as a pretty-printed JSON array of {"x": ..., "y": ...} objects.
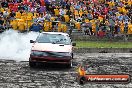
[{"x": 19, "y": 75}]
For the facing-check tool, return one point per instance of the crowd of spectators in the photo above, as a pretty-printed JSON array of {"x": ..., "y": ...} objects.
[{"x": 93, "y": 17}]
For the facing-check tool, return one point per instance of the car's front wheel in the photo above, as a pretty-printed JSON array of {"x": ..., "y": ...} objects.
[
  {"x": 32, "y": 64},
  {"x": 70, "y": 64},
  {"x": 72, "y": 55}
]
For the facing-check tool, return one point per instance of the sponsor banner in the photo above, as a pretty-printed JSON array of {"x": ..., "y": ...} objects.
[
  {"x": 84, "y": 77},
  {"x": 112, "y": 78}
]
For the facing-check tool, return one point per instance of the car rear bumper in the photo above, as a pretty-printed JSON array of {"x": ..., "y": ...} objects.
[{"x": 64, "y": 60}]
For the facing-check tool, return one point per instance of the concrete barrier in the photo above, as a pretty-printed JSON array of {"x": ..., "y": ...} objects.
[
  {"x": 102, "y": 50},
  {"x": 80, "y": 37}
]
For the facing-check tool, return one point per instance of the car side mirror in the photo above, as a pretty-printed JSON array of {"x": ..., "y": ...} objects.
[
  {"x": 73, "y": 44},
  {"x": 31, "y": 41}
]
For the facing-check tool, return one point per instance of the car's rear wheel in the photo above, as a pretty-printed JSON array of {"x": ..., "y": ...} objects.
[{"x": 32, "y": 64}]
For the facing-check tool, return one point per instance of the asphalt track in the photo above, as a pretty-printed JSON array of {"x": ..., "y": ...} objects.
[{"x": 19, "y": 75}]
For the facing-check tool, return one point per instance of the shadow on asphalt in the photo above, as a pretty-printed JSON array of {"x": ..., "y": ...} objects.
[{"x": 50, "y": 67}]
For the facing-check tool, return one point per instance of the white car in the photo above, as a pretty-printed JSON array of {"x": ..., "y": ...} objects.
[{"x": 52, "y": 47}]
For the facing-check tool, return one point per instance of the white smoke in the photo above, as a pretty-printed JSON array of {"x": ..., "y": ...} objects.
[{"x": 16, "y": 46}]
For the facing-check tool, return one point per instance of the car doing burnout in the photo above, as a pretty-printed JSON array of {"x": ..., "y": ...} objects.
[{"x": 52, "y": 47}]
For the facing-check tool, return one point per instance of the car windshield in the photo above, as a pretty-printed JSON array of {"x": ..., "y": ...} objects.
[{"x": 53, "y": 38}]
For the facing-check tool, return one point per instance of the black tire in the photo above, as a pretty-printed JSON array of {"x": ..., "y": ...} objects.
[
  {"x": 70, "y": 64},
  {"x": 72, "y": 55},
  {"x": 82, "y": 80},
  {"x": 32, "y": 64}
]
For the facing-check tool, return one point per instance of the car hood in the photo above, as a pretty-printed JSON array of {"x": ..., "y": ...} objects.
[{"x": 52, "y": 47}]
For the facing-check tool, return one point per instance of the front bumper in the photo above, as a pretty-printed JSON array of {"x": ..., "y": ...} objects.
[{"x": 48, "y": 59}]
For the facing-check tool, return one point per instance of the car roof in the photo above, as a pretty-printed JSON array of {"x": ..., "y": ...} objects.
[{"x": 65, "y": 34}]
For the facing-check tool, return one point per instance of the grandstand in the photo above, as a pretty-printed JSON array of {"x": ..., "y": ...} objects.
[{"x": 88, "y": 17}]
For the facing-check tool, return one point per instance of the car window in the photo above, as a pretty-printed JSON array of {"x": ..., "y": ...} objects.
[{"x": 54, "y": 38}]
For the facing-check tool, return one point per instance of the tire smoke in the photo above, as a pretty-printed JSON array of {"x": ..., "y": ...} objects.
[{"x": 16, "y": 46}]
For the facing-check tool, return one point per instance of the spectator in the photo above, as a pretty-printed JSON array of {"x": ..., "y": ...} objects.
[
  {"x": 69, "y": 13},
  {"x": 117, "y": 27},
  {"x": 90, "y": 28},
  {"x": 62, "y": 12},
  {"x": 90, "y": 16},
  {"x": 120, "y": 18},
  {"x": 125, "y": 28},
  {"x": 4, "y": 4},
  {"x": 5, "y": 13},
  {"x": 36, "y": 27},
  {"x": 42, "y": 9},
  {"x": 1, "y": 23},
  {"x": 21, "y": 7},
  {"x": 126, "y": 18},
  {"x": 97, "y": 26},
  {"x": 47, "y": 4},
  {"x": 112, "y": 25},
  {"x": 41, "y": 18},
  {"x": 68, "y": 6},
  {"x": 72, "y": 25},
  {"x": 47, "y": 16},
  {"x": 101, "y": 34},
  {"x": 78, "y": 19},
  {"x": 12, "y": 15},
  {"x": 32, "y": 9}
]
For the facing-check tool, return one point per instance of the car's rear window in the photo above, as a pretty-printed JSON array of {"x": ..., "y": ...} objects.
[{"x": 53, "y": 38}]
